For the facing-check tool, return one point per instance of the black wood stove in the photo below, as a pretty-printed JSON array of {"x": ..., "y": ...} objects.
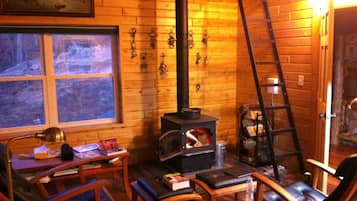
[
  {"x": 187, "y": 145},
  {"x": 187, "y": 142}
]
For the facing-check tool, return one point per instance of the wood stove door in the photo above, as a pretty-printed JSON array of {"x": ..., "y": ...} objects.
[{"x": 170, "y": 145}]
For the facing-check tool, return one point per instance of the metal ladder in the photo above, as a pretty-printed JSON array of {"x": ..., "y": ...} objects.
[{"x": 264, "y": 59}]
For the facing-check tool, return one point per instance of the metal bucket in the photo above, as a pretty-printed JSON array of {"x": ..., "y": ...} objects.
[{"x": 220, "y": 153}]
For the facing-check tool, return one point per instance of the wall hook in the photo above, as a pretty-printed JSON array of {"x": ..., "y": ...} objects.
[
  {"x": 163, "y": 66},
  {"x": 205, "y": 37},
  {"x": 152, "y": 36},
  {"x": 190, "y": 40},
  {"x": 133, "y": 43},
  {"x": 171, "y": 40}
]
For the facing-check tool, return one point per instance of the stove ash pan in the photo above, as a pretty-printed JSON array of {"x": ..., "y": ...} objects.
[{"x": 187, "y": 151}]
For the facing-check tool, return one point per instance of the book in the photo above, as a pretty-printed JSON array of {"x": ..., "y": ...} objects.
[
  {"x": 110, "y": 147},
  {"x": 158, "y": 190},
  {"x": 90, "y": 166},
  {"x": 66, "y": 172},
  {"x": 176, "y": 181},
  {"x": 220, "y": 178}
]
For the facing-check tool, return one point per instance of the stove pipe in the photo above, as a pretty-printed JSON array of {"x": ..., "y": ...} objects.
[{"x": 182, "y": 55}]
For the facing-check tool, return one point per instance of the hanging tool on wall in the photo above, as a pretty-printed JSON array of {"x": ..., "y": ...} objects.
[
  {"x": 163, "y": 66},
  {"x": 205, "y": 37},
  {"x": 190, "y": 40},
  {"x": 143, "y": 62},
  {"x": 198, "y": 58},
  {"x": 171, "y": 40},
  {"x": 205, "y": 46},
  {"x": 132, "y": 43},
  {"x": 152, "y": 36}
]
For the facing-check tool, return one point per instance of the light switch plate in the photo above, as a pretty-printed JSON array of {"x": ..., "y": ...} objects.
[{"x": 301, "y": 80}]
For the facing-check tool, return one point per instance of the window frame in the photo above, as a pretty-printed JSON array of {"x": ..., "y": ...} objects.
[{"x": 48, "y": 77}]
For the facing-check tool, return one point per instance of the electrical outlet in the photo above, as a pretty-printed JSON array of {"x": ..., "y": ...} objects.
[{"x": 300, "y": 80}]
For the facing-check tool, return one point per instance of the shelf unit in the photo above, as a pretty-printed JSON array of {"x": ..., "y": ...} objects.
[{"x": 253, "y": 143}]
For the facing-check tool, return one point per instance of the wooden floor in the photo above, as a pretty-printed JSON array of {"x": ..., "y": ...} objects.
[
  {"x": 337, "y": 154},
  {"x": 155, "y": 170}
]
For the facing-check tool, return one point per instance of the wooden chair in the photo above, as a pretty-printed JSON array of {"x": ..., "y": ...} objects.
[
  {"x": 35, "y": 190},
  {"x": 3, "y": 197},
  {"x": 345, "y": 191}
]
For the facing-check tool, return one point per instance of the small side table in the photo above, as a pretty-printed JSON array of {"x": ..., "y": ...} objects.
[{"x": 138, "y": 191}]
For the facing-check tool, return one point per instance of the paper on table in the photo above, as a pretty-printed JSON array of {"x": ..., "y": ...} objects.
[{"x": 86, "y": 147}]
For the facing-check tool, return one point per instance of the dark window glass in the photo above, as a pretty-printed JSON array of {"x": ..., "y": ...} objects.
[
  {"x": 85, "y": 99},
  {"x": 21, "y": 104}
]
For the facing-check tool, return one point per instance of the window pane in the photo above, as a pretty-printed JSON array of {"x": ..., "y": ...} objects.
[
  {"x": 85, "y": 99},
  {"x": 20, "y": 55},
  {"x": 82, "y": 54},
  {"x": 21, "y": 103}
]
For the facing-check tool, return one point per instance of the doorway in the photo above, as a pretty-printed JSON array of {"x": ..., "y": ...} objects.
[{"x": 343, "y": 140}]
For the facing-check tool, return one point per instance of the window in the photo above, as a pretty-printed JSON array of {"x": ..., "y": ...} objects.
[{"x": 58, "y": 77}]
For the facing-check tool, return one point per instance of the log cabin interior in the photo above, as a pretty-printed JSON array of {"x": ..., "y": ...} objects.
[{"x": 138, "y": 45}]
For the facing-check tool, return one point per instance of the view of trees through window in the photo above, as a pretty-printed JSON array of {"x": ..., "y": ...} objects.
[{"x": 74, "y": 83}]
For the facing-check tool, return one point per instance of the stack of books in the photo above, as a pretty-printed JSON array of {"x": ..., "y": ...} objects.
[
  {"x": 158, "y": 190},
  {"x": 66, "y": 172},
  {"x": 176, "y": 181}
]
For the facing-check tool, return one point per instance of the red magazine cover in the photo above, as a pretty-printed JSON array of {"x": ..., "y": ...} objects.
[{"x": 110, "y": 147}]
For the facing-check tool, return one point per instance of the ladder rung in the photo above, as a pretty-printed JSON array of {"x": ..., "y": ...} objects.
[
  {"x": 258, "y": 20},
  {"x": 278, "y": 107},
  {"x": 263, "y": 41},
  {"x": 271, "y": 85},
  {"x": 281, "y": 130},
  {"x": 287, "y": 154},
  {"x": 266, "y": 62}
]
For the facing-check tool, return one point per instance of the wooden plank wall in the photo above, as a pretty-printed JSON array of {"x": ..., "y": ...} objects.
[
  {"x": 146, "y": 93},
  {"x": 292, "y": 23}
]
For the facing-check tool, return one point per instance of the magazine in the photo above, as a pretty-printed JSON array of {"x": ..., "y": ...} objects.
[{"x": 111, "y": 147}]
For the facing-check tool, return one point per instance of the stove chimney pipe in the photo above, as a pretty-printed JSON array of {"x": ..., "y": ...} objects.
[{"x": 182, "y": 55}]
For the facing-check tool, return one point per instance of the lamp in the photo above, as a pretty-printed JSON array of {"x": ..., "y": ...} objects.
[{"x": 52, "y": 134}]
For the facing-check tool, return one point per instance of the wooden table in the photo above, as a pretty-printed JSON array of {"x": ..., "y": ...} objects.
[{"x": 28, "y": 164}]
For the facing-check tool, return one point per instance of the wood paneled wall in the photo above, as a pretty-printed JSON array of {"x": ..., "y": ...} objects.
[
  {"x": 225, "y": 78},
  {"x": 293, "y": 28},
  {"x": 147, "y": 95}
]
